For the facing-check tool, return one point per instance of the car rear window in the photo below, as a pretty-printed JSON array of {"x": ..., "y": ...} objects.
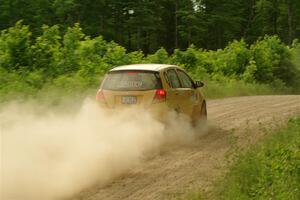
[{"x": 132, "y": 80}]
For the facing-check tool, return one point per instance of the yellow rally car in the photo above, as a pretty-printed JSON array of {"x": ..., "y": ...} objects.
[{"x": 158, "y": 88}]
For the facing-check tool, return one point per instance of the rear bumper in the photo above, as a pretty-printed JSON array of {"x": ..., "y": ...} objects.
[{"x": 159, "y": 111}]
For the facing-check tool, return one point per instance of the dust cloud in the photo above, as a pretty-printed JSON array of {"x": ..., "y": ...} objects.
[{"x": 50, "y": 156}]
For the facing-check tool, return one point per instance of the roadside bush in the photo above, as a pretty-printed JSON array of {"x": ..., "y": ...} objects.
[
  {"x": 233, "y": 60},
  {"x": 15, "y": 52},
  {"x": 160, "y": 57},
  {"x": 273, "y": 61},
  {"x": 187, "y": 59}
]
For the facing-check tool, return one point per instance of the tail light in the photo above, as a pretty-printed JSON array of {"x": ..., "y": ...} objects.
[
  {"x": 132, "y": 72},
  {"x": 160, "y": 96},
  {"x": 100, "y": 96}
]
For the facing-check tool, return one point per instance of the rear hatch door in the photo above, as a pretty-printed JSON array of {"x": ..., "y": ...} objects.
[{"x": 130, "y": 87}]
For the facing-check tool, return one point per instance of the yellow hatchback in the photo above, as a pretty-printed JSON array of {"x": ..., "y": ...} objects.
[{"x": 158, "y": 88}]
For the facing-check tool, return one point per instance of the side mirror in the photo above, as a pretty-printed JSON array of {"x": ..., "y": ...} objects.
[{"x": 199, "y": 84}]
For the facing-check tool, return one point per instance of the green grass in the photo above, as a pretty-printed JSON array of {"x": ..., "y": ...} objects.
[
  {"x": 213, "y": 90},
  {"x": 270, "y": 170}
]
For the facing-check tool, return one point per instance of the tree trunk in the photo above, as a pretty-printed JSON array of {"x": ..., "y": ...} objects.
[
  {"x": 275, "y": 17},
  {"x": 138, "y": 40},
  {"x": 290, "y": 21},
  {"x": 251, "y": 7},
  {"x": 176, "y": 24}
]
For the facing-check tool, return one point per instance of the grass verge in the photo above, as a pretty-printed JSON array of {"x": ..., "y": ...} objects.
[
  {"x": 270, "y": 170},
  {"x": 214, "y": 90}
]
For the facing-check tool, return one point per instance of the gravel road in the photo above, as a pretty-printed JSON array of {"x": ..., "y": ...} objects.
[{"x": 177, "y": 171}]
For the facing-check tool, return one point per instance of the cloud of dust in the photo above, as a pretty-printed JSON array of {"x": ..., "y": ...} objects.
[{"x": 54, "y": 156}]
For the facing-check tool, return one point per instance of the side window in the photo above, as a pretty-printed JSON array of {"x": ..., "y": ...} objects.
[
  {"x": 172, "y": 78},
  {"x": 186, "y": 80}
]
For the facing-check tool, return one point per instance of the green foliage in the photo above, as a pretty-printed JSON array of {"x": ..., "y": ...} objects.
[
  {"x": 160, "y": 56},
  {"x": 73, "y": 62},
  {"x": 267, "y": 62},
  {"x": 272, "y": 59},
  {"x": 268, "y": 171},
  {"x": 295, "y": 59},
  {"x": 46, "y": 51},
  {"x": 187, "y": 59},
  {"x": 234, "y": 59},
  {"x": 15, "y": 44}
]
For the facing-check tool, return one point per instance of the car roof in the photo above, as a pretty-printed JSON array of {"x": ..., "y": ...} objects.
[{"x": 147, "y": 67}]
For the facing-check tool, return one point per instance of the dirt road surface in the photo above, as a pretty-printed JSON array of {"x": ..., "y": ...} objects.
[{"x": 178, "y": 171}]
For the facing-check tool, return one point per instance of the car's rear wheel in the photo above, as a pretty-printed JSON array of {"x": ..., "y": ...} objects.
[
  {"x": 200, "y": 116},
  {"x": 203, "y": 115}
]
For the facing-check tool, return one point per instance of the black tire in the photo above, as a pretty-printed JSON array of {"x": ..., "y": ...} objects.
[
  {"x": 200, "y": 117},
  {"x": 203, "y": 114}
]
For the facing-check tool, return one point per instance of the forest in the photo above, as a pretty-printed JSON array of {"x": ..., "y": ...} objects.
[
  {"x": 242, "y": 47},
  {"x": 150, "y": 24}
]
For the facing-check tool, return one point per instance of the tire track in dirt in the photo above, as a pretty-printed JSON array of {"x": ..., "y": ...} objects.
[{"x": 177, "y": 171}]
